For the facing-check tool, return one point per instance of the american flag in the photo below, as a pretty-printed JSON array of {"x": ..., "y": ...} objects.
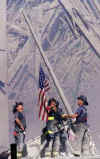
[{"x": 43, "y": 89}]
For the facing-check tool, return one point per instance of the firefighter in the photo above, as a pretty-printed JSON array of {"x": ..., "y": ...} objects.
[
  {"x": 20, "y": 128},
  {"x": 54, "y": 131},
  {"x": 80, "y": 127}
]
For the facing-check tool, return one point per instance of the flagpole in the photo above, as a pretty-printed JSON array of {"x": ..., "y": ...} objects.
[{"x": 56, "y": 82}]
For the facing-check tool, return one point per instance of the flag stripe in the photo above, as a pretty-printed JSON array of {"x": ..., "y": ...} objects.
[
  {"x": 41, "y": 102},
  {"x": 44, "y": 113},
  {"x": 43, "y": 89}
]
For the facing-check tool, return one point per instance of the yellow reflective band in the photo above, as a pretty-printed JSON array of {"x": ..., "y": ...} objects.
[
  {"x": 47, "y": 154},
  {"x": 19, "y": 154},
  {"x": 51, "y": 118},
  {"x": 55, "y": 153},
  {"x": 50, "y": 132}
]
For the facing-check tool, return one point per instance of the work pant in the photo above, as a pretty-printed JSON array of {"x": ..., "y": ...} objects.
[
  {"x": 88, "y": 146},
  {"x": 57, "y": 143},
  {"x": 63, "y": 139},
  {"x": 20, "y": 141},
  {"x": 80, "y": 142}
]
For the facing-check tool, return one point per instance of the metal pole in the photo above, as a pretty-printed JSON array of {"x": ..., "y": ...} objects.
[{"x": 64, "y": 100}]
